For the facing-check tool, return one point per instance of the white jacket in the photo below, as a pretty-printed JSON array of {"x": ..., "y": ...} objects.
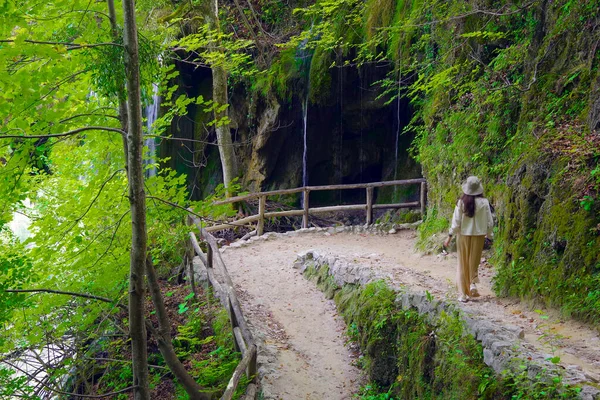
[{"x": 481, "y": 224}]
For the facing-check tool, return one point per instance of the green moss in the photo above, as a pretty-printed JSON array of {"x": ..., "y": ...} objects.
[
  {"x": 323, "y": 280},
  {"x": 409, "y": 357},
  {"x": 432, "y": 224},
  {"x": 550, "y": 250},
  {"x": 379, "y": 14},
  {"x": 401, "y": 216},
  {"x": 320, "y": 77},
  {"x": 280, "y": 78}
]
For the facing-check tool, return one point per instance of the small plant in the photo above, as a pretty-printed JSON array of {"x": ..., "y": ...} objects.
[{"x": 587, "y": 203}]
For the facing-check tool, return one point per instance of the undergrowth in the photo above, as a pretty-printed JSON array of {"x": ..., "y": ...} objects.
[{"x": 204, "y": 343}]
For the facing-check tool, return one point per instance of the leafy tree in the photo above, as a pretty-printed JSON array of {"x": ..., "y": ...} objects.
[{"x": 62, "y": 132}]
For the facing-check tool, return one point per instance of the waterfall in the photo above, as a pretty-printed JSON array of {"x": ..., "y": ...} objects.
[
  {"x": 304, "y": 153},
  {"x": 304, "y": 56},
  {"x": 150, "y": 142},
  {"x": 341, "y": 169},
  {"x": 360, "y": 125},
  {"x": 397, "y": 130}
]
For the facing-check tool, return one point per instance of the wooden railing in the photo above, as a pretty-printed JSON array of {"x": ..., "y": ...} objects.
[
  {"x": 307, "y": 210},
  {"x": 224, "y": 291}
]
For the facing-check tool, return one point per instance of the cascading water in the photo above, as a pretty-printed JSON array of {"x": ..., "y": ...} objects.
[
  {"x": 305, "y": 151},
  {"x": 397, "y": 130},
  {"x": 305, "y": 56},
  {"x": 341, "y": 151},
  {"x": 360, "y": 150},
  {"x": 150, "y": 142}
]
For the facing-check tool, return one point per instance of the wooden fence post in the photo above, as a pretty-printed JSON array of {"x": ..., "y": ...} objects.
[
  {"x": 234, "y": 323},
  {"x": 370, "y": 205},
  {"x": 423, "y": 199},
  {"x": 209, "y": 256},
  {"x": 262, "y": 201},
  {"x": 305, "y": 201},
  {"x": 252, "y": 367}
]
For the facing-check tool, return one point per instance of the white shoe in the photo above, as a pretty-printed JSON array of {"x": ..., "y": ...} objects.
[
  {"x": 474, "y": 291},
  {"x": 463, "y": 299}
]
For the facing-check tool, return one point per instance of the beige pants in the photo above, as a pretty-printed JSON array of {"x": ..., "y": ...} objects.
[{"x": 469, "y": 255}]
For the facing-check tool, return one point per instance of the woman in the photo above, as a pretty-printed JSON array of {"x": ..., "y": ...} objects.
[{"x": 472, "y": 222}]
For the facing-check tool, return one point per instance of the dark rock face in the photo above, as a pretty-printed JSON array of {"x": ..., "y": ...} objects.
[{"x": 351, "y": 138}]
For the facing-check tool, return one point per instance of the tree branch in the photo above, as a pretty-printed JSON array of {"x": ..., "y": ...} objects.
[
  {"x": 74, "y": 294},
  {"x": 111, "y": 239},
  {"x": 193, "y": 213},
  {"x": 88, "y": 115},
  {"x": 176, "y": 206},
  {"x": 69, "y": 46},
  {"x": 68, "y": 133},
  {"x": 94, "y": 200},
  {"x": 51, "y": 389},
  {"x": 122, "y": 361}
]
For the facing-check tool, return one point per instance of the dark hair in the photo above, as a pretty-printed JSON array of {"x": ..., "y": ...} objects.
[{"x": 469, "y": 204}]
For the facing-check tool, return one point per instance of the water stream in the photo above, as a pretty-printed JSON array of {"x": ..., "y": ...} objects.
[
  {"x": 341, "y": 169},
  {"x": 305, "y": 151},
  {"x": 397, "y": 130},
  {"x": 150, "y": 142},
  {"x": 304, "y": 55}
]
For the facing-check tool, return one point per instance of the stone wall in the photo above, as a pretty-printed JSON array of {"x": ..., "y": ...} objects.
[{"x": 503, "y": 349}]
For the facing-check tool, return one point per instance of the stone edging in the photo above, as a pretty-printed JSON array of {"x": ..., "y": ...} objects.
[
  {"x": 502, "y": 348},
  {"x": 375, "y": 229}
]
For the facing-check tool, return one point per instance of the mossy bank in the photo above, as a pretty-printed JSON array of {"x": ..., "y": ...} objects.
[{"x": 424, "y": 350}]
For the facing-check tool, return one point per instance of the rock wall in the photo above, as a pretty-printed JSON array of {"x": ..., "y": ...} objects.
[{"x": 351, "y": 138}]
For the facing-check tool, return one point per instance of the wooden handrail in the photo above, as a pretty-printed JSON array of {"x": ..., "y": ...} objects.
[
  {"x": 225, "y": 292},
  {"x": 306, "y": 211},
  {"x": 249, "y": 196}
]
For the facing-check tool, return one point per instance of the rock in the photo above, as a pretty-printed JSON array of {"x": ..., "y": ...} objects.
[
  {"x": 392, "y": 231},
  {"x": 500, "y": 346},
  {"x": 200, "y": 273},
  {"x": 589, "y": 393},
  {"x": 249, "y": 235}
]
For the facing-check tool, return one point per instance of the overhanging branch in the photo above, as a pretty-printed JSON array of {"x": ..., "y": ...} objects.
[
  {"x": 51, "y": 389},
  {"x": 68, "y": 133},
  {"x": 74, "y": 294},
  {"x": 68, "y": 45}
]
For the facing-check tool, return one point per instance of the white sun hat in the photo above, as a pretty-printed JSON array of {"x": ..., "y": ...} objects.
[{"x": 472, "y": 186}]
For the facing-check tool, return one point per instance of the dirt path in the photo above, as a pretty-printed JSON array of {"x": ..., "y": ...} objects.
[{"x": 304, "y": 356}]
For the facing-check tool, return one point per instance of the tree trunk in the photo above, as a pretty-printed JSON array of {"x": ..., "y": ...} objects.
[
  {"x": 165, "y": 342},
  {"x": 219, "y": 75},
  {"x": 121, "y": 86},
  {"x": 137, "y": 200}
]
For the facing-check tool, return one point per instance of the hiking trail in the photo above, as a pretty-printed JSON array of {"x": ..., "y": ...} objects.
[{"x": 303, "y": 346}]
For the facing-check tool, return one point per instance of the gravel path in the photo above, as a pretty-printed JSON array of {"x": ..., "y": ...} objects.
[{"x": 303, "y": 353}]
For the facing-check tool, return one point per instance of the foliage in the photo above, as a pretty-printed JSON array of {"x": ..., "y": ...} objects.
[
  {"x": 232, "y": 54},
  {"x": 204, "y": 341},
  {"x": 214, "y": 370},
  {"x": 63, "y": 73}
]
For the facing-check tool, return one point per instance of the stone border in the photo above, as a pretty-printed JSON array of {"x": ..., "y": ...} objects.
[
  {"x": 374, "y": 229},
  {"x": 502, "y": 346}
]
